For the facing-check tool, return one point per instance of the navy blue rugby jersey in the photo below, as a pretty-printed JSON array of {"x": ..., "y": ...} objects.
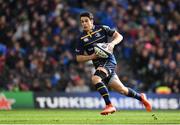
[{"x": 86, "y": 42}]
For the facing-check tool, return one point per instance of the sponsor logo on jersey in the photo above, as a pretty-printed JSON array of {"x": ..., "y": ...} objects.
[
  {"x": 90, "y": 49},
  {"x": 77, "y": 50},
  {"x": 85, "y": 39},
  {"x": 97, "y": 34}
]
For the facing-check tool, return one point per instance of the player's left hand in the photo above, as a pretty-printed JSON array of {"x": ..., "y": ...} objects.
[
  {"x": 110, "y": 46},
  {"x": 95, "y": 56}
]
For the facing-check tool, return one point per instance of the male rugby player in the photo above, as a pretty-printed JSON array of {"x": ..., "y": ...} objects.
[{"x": 105, "y": 67}]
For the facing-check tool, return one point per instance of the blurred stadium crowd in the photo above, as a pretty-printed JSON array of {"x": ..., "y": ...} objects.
[{"x": 37, "y": 41}]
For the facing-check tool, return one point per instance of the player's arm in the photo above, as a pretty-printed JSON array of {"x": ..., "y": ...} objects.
[
  {"x": 116, "y": 37},
  {"x": 84, "y": 58},
  {"x": 81, "y": 56}
]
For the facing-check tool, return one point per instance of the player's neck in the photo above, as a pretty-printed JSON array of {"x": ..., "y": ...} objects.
[{"x": 90, "y": 30}]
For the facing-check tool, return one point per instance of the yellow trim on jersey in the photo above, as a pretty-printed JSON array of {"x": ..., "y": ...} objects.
[
  {"x": 90, "y": 34},
  {"x": 94, "y": 41},
  {"x": 96, "y": 31}
]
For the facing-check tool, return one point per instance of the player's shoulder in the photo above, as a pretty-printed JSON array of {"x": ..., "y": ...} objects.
[
  {"x": 81, "y": 35},
  {"x": 103, "y": 26}
]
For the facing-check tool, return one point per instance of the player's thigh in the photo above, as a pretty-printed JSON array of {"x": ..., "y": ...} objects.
[
  {"x": 117, "y": 85},
  {"x": 103, "y": 69},
  {"x": 100, "y": 74}
]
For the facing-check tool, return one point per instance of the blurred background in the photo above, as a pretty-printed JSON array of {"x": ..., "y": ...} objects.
[{"x": 37, "y": 41}]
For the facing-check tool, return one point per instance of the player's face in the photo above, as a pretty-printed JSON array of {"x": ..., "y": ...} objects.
[{"x": 86, "y": 23}]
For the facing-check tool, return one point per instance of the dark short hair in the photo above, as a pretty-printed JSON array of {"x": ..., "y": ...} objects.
[{"x": 87, "y": 14}]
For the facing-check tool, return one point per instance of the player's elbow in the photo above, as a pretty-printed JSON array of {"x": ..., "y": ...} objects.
[{"x": 118, "y": 36}]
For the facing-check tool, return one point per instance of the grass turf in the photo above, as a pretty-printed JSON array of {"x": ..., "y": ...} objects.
[{"x": 62, "y": 116}]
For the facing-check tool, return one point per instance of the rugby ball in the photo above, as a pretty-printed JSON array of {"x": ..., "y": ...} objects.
[{"x": 102, "y": 50}]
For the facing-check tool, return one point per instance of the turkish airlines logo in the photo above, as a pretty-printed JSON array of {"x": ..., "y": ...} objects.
[{"x": 5, "y": 103}]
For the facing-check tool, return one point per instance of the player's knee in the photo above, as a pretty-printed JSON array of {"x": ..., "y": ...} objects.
[
  {"x": 95, "y": 79},
  {"x": 101, "y": 74}
]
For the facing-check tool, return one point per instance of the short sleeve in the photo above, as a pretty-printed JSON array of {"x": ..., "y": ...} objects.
[
  {"x": 108, "y": 30},
  {"x": 79, "y": 48}
]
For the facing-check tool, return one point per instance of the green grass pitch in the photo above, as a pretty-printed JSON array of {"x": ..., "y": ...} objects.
[{"x": 62, "y": 116}]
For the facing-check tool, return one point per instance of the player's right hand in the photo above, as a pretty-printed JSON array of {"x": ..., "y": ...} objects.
[{"x": 110, "y": 47}]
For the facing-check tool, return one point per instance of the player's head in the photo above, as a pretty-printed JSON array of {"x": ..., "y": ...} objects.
[{"x": 86, "y": 19}]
